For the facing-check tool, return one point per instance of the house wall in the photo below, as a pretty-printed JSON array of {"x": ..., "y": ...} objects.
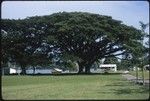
[
  {"x": 112, "y": 66},
  {"x": 41, "y": 71}
]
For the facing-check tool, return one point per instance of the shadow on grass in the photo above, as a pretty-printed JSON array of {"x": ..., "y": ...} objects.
[
  {"x": 117, "y": 84},
  {"x": 131, "y": 91},
  {"x": 123, "y": 91},
  {"x": 68, "y": 74},
  {"x": 120, "y": 88},
  {"x": 73, "y": 74}
]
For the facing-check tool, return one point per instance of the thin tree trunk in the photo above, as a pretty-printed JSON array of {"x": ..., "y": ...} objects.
[
  {"x": 136, "y": 74},
  {"x": 143, "y": 75},
  {"x": 33, "y": 70}
]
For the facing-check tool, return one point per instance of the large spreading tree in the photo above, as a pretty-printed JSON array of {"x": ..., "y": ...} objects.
[
  {"x": 86, "y": 36},
  {"x": 22, "y": 42}
]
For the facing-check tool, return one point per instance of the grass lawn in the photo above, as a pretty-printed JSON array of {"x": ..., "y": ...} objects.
[
  {"x": 146, "y": 74},
  {"x": 71, "y": 87}
]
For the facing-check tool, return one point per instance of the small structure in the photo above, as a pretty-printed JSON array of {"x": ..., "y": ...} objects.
[
  {"x": 112, "y": 67},
  {"x": 56, "y": 71},
  {"x": 15, "y": 71}
]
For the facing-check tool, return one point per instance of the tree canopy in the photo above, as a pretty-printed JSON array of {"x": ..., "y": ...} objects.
[
  {"x": 111, "y": 60},
  {"x": 86, "y": 36}
]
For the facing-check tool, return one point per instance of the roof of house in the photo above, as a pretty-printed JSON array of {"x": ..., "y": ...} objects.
[{"x": 108, "y": 65}]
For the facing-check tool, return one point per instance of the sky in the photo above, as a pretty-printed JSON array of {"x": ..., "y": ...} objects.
[{"x": 130, "y": 12}]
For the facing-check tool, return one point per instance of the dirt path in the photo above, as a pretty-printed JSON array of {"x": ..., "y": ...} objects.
[{"x": 133, "y": 78}]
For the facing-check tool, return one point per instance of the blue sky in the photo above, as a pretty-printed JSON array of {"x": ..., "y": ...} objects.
[{"x": 130, "y": 12}]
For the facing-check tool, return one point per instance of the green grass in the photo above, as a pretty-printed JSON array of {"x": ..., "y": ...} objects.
[
  {"x": 71, "y": 87},
  {"x": 146, "y": 74}
]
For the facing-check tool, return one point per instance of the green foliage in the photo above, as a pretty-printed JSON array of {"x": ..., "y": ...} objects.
[
  {"x": 20, "y": 40},
  {"x": 74, "y": 34},
  {"x": 125, "y": 65},
  {"x": 70, "y": 57},
  {"x": 111, "y": 60}
]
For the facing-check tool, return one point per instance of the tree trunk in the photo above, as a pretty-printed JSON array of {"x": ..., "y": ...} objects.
[
  {"x": 33, "y": 70},
  {"x": 87, "y": 68},
  {"x": 81, "y": 67},
  {"x": 23, "y": 70},
  {"x": 80, "y": 70},
  {"x": 86, "y": 65}
]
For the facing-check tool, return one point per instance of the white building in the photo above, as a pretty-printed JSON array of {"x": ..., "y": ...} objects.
[
  {"x": 104, "y": 67},
  {"x": 15, "y": 71},
  {"x": 112, "y": 67}
]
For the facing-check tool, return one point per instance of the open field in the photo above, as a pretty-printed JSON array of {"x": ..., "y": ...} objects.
[
  {"x": 146, "y": 74},
  {"x": 71, "y": 87}
]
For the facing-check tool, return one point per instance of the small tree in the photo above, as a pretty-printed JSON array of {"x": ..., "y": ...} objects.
[{"x": 143, "y": 27}]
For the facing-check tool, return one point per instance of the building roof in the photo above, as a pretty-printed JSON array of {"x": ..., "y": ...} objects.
[
  {"x": 108, "y": 65},
  {"x": 59, "y": 70}
]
